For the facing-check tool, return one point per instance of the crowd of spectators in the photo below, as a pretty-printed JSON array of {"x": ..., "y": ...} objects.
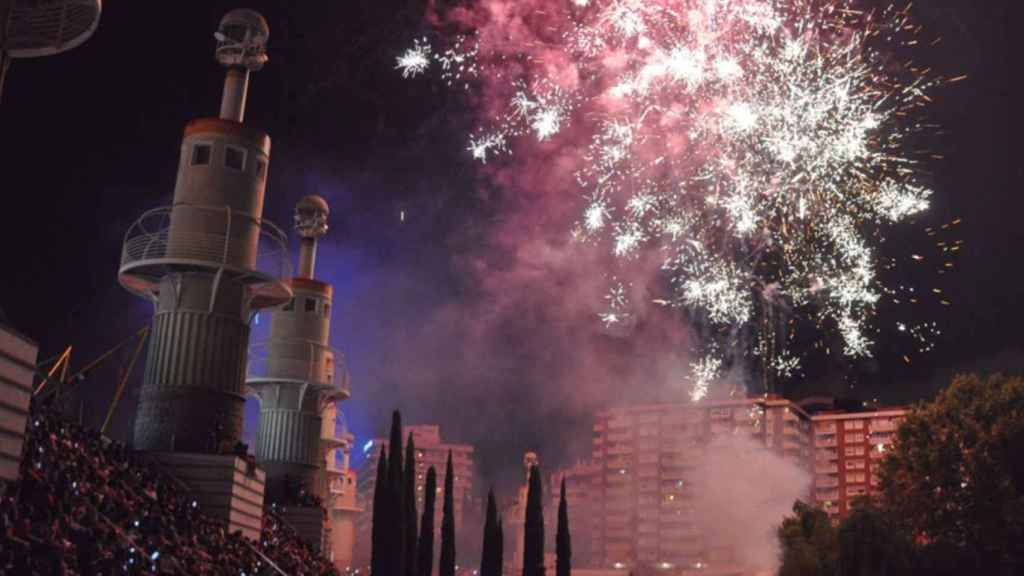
[
  {"x": 277, "y": 541},
  {"x": 296, "y": 494},
  {"x": 86, "y": 505}
]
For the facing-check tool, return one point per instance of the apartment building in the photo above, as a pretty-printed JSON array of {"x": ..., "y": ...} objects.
[
  {"x": 645, "y": 458},
  {"x": 848, "y": 450}
]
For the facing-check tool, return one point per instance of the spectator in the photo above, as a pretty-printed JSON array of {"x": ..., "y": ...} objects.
[{"x": 85, "y": 506}]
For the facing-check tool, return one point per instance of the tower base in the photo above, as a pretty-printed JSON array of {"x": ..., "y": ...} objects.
[{"x": 225, "y": 486}]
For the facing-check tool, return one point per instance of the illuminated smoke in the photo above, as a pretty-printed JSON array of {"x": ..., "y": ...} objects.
[{"x": 758, "y": 146}]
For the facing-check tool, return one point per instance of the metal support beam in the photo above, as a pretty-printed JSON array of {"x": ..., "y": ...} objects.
[{"x": 124, "y": 379}]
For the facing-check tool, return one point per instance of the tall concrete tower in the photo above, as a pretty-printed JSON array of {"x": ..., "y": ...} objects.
[
  {"x": 208, "y": 262},
  {"x": 302, "y": 381},
  {"x": 303, "y": 373}
]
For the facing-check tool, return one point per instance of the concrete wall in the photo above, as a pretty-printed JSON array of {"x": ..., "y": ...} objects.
[
  {"x": 17, "y": 362},
  {"x": 224, "y": 486}
]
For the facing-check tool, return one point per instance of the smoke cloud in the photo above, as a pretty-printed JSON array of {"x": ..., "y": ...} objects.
[{"x": 744, "y": 493}]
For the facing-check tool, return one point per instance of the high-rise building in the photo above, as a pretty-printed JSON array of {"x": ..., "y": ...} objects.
[
  {"x": 431, "y": 450},
  {"x": 648, "y": 456},
  {"x": 848, "y": 450},
  {"x": 643, "y": 491}
]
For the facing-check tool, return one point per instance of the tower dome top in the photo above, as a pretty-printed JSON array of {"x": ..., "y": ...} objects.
[
  {"x": 311, "y": 216},
  {"x": 242, "y": 39}
]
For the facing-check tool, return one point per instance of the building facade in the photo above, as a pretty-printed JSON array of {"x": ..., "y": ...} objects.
[
  {"x": 647, "y": 456},
  {"x": 641, "y": 491},
  {"x": 848, "y": 451}
]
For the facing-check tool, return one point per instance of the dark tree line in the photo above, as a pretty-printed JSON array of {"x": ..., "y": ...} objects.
[
  {"x": 533, "y": 541},
  {"x": 397, "y": 551},
  {"x": 395, "y": 548},
  {"x": 493, "y": 549}
]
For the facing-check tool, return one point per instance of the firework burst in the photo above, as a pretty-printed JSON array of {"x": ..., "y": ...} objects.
[{"x": 759, "y": 145}]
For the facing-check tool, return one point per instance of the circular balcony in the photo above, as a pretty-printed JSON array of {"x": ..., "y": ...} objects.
[
  {"x": 213, "y": 238},
  {"x": 331, "y": 386},
  {"x": 47, "y": 27}
]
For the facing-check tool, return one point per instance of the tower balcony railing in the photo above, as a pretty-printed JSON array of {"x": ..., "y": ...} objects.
[
  {"x": 252, "y": 250},
  {"x": 48, "y": 27},
  {"x": 336, "y": 384}
]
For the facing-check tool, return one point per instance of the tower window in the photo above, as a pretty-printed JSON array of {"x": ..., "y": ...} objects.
[
  {"x": 310, "y": 305},
  {"x": 234, "y": 158},
  {"x": 261, "y": 169},
  {"x": 201, "y": 154}
]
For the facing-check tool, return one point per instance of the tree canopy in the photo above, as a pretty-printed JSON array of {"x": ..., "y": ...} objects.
[
  {"x": 809, "y": 543},
  {"x": 950, "y": 501},
  {"x": 955, "y": 479}
]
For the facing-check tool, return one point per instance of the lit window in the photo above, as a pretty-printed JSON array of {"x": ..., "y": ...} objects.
[
  {"x": 201, "y": 155},
  {"x": 234, "y": 158}
]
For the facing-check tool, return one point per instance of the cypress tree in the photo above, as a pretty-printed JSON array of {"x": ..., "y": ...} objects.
[
  {"x": 499, "y": 555},
  {"x": 447, "y": 567},
  {"x": 425, "y": 549},
  {"x": 533, "y": 528},
  {"x": 563, "y": 542},
  {"x": 395, "y": 535},
  {"x": 410, "y": 508},
  {"x": 380, "y": 511},
  {"x": 490, "y": 546}
]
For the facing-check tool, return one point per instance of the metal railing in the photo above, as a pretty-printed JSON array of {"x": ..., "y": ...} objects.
[
  {"x": 149, "y": 240},
  {"x": 256, "y": 367}
]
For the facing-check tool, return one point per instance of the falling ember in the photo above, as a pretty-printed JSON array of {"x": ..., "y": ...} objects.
[{"x": 795, "y": 124}]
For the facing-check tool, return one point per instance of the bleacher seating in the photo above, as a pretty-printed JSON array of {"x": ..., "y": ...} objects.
[{"x": 87, "y": 505}]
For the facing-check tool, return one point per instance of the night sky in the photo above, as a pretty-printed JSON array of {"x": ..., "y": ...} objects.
[{"x": 447, "y": 314}]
